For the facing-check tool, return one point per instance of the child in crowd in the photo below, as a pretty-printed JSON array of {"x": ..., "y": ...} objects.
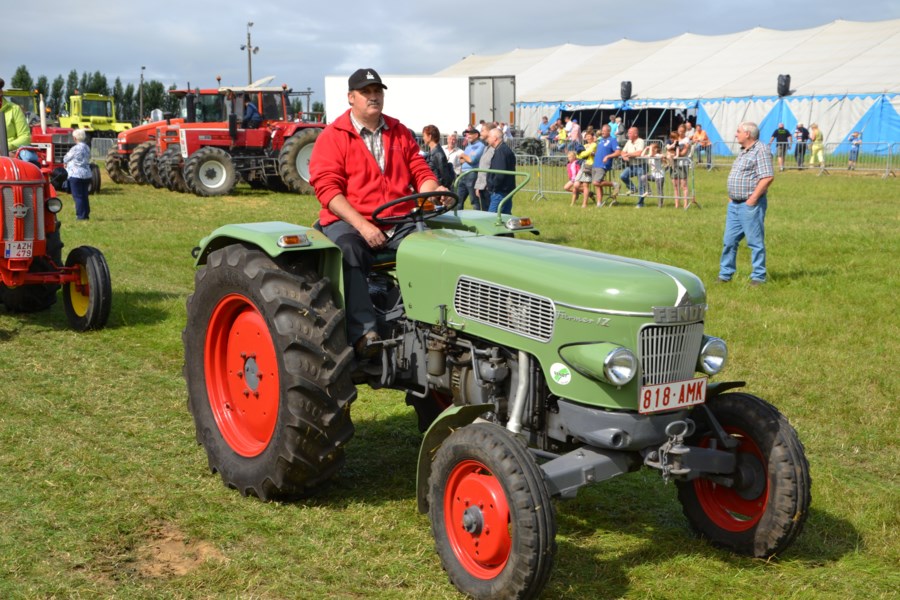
[
  {"x": 573, "y": 168},
  {"x": 655, "y": 171}
]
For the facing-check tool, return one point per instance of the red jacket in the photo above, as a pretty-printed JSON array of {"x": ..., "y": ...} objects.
[{"x": 341, "y": 163}]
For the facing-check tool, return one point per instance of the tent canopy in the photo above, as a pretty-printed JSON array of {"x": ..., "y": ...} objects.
[{"x": 842, "y": 57}]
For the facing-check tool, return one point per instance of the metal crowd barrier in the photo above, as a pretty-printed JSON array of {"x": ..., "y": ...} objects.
[
  {"x": 552, "y": 176},
  {"x": 100, "y": 146}
]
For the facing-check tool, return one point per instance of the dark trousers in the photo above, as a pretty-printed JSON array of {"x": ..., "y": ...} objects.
[
  {"x": 467, "y": 190},
  {"x": 358, "y": 258},
  {"x": 79, "y": 189}
]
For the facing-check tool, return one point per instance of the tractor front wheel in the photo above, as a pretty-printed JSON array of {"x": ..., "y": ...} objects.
[
  {"x": 136, "y": 161},
  {"x": 293, "y": 161},
  {"x": 267, "y": 367},
  {"x": 210, "y": 172},
  {"x": 117, "y": 167},
  {"x": 170, "y": 170},
  {"x": 88, "y": 300},
  {"x": 765, "y": 508},
  {"x": 151, "y": 168},
  {"x": 491, "y": 514}
]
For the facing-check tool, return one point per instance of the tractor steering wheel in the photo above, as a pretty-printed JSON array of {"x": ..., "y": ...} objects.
[{"x": 423, "y": 210}]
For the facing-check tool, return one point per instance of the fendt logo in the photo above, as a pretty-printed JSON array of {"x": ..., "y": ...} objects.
[{"x": 20, "y": 211}]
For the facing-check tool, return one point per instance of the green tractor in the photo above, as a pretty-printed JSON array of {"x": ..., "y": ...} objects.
[{"x": 535, "y": 370}]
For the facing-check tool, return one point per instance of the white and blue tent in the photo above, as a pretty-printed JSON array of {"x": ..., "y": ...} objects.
[{"x": 844, "y": 76}]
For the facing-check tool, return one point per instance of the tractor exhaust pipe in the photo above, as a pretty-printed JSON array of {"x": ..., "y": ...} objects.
[{"x": 43, "y": 108}]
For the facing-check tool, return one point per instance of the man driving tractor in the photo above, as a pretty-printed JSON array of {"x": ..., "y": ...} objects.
[{"x": 361, "y": 161}]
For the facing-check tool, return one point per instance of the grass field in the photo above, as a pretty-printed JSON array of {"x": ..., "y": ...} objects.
[{"x": 106, "y": 493}]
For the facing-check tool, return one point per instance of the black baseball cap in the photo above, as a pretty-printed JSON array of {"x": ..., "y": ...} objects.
[{"x": 363, "y": 77}]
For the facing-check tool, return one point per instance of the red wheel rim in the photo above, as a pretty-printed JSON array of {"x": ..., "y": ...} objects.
[
  {"x": 241, "y": 375},
  {"x": 724, "y": 506},
  {"x": 476, "y": 518}
]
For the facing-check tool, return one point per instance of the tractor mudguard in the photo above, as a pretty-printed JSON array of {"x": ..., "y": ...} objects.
[
  {"x": 277, "y": 238},
  {"x": 713, "y": 389},
  {"x": 447, "y": 422}
]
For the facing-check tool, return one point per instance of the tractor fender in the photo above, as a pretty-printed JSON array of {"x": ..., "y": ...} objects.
[
  {"x": 714, "y": 389},
  {"x": 278, "y": 239},
  {"x": 447, "y": 422}
]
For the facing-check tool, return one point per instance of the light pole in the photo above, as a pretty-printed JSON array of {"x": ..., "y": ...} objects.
[
  {"x": 250, "y": 51},
  {"x": 141, "y": 97}
]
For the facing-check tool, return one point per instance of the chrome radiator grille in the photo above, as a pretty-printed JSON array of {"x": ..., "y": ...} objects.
[
  {"x": 33, "y": 229},
  {"x": 504, "y": 308},
  {"x": 669, "y": 352}
]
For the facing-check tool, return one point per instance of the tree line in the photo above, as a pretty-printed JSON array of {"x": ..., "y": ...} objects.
[{"x": 127, "y": 97}]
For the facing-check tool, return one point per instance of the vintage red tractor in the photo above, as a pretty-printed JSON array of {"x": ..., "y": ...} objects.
[{"x": 31, "y": 268}]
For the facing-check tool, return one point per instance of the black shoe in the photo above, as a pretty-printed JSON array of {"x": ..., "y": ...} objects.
[{"x": 720, "y": 280}]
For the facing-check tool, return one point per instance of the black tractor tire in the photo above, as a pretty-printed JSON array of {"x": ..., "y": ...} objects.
[
  {"x": 293, "y": 160},
  {"x": 765, "y": 512},
  {"x": 267, "y": 367},
  {"x": 94, "y": 185},
  {"x": 491, "y": 515},
  {"x": 31, "y": 298},
  {"x": 88, "y": 302},
  {"x": 530, "y": 147},
  {"x": 117, "y": 167},
  {"x": 170, "y": 170},
  {"x": 210, "y": 172},
  {"x": 151, "y": 168},
  {"x": 136, "y": 161}
]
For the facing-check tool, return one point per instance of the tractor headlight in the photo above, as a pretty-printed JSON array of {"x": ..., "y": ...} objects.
[
  {"x": 713, "y": 355},
  {"x": 620, "y": 366},
  {"x": 54, "y": 204}
]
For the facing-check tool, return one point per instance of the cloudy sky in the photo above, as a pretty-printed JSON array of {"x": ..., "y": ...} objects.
[{"x": 301, "y": 42}]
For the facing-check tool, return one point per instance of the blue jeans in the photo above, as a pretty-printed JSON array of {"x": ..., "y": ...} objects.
[
  {"x": 744, "y": 221},
  {"x": 466, "y": 189},
  {"x": 495, "y": 203},
  {"x": 633, "y": 171}
]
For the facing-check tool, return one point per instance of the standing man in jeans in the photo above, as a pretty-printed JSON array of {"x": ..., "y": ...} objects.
[
  {"x": 499, "y": 185},
  {"x": 468, "y": 161},
  {"x": 750, "y": 177},
  {"x": 634, "y": 164}
]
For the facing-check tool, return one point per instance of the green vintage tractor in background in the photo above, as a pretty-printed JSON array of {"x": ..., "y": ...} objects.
[{"x": 535, "y": 370}]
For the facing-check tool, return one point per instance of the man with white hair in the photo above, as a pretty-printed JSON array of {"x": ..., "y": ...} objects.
[
  {"x": 750, "y": 177},
  {"x": 500, "y": 185}
]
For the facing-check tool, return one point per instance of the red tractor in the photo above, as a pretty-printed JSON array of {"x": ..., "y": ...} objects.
[
  {"x": 31, "y": 268},
  {"x": 51, "y": 144},
  {"x": 128, "y": 162},
  {"x": 275, "y": 154}
]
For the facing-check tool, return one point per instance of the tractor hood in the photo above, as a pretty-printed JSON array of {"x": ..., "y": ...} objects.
[{"x": 574, "y": 280}]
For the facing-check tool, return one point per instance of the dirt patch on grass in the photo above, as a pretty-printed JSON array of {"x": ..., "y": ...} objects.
[{"x": 168, "y": 553}]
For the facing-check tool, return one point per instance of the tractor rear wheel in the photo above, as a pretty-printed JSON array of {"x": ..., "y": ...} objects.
[
  {"x": 267, "y": 367},
  {"x": 293, "y": 160},
  {"x": 491, "y": 515},
  {"x": 210, "y": 172},
  {"x": 117, "y": 167},
  {"x": 765, "y": 509},
  {"x": 136, "y": 161},
  {"x": 170, "y": 169},
  {"x": 88, "y": 301}
]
